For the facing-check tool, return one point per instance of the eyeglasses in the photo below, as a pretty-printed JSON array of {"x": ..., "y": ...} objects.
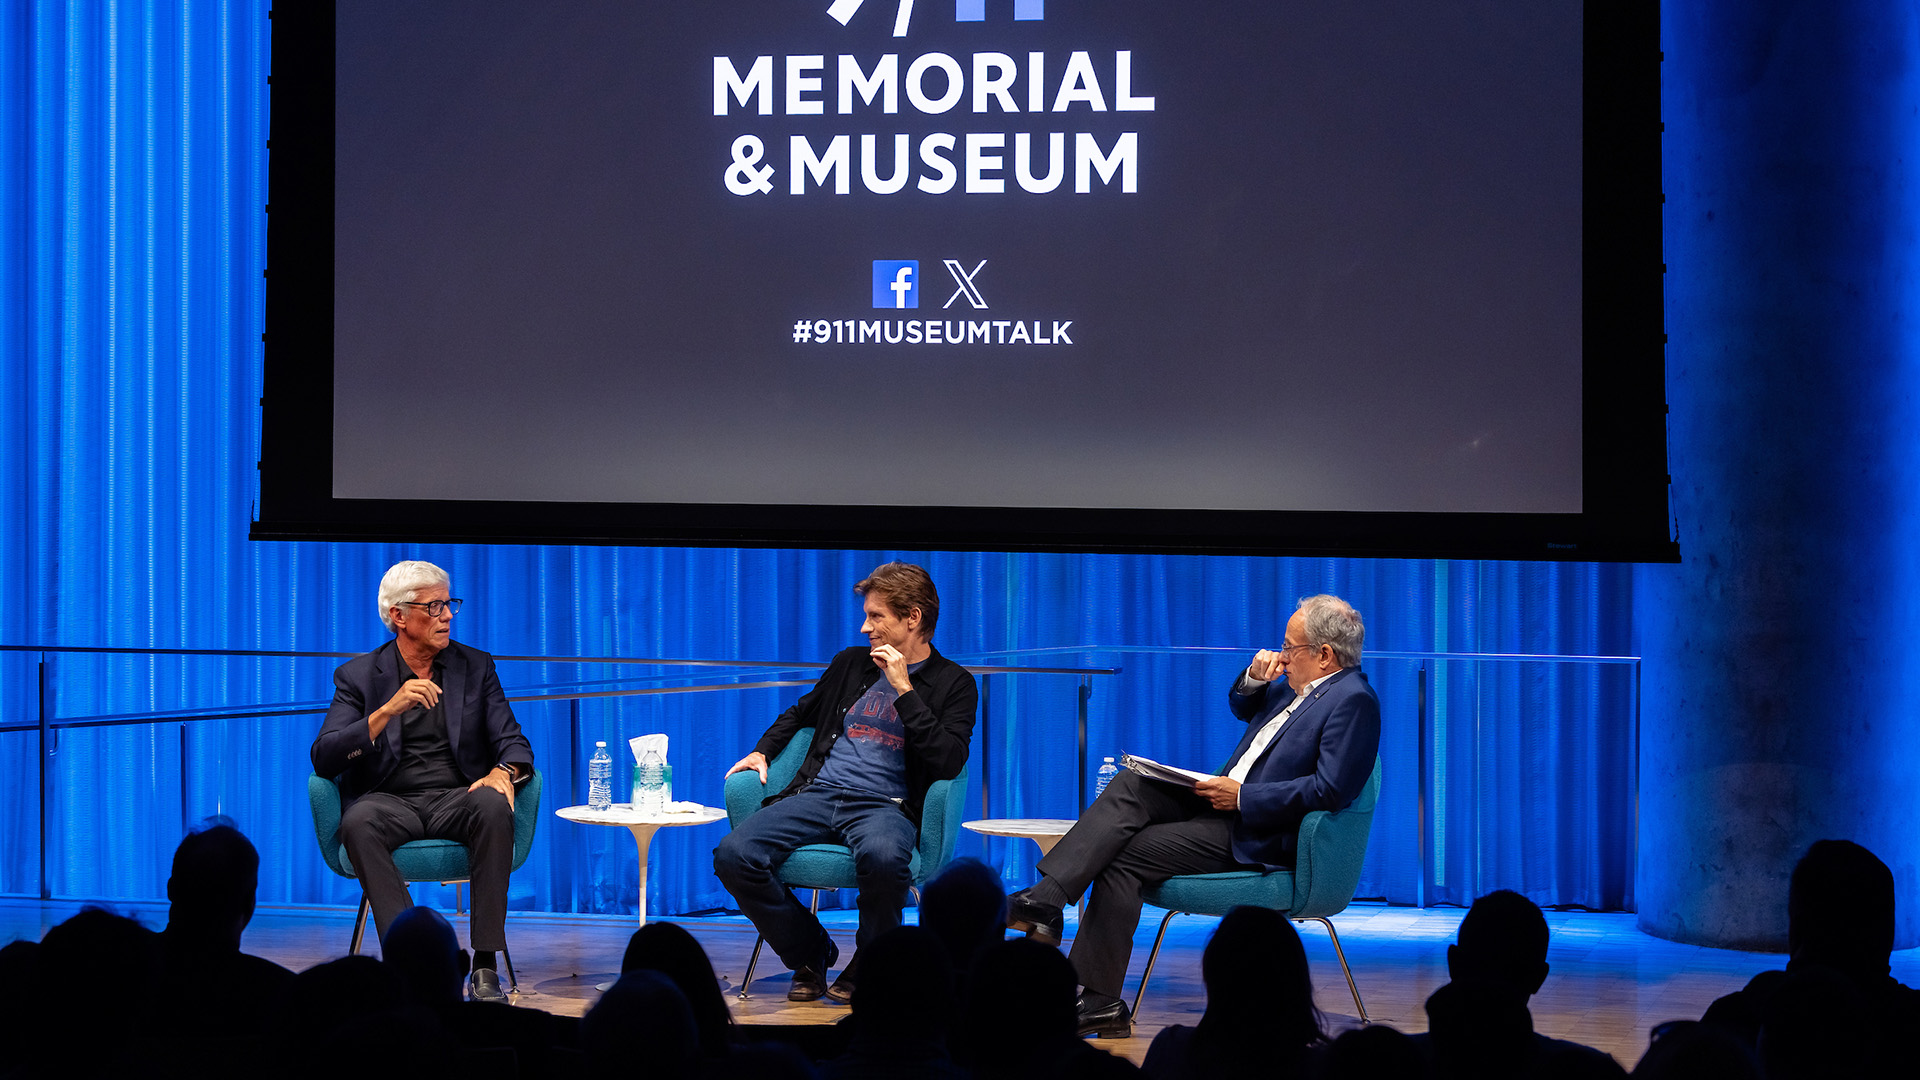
[
  {"x": 436, "y": 608},
  {"x": 1285, "y": 649}
]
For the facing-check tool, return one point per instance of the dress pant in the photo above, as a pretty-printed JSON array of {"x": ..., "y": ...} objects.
[
  {"x": 481, "y": 819},
  {"x": 1139, "y": 832},
  {"x": 882, "y": 840}
]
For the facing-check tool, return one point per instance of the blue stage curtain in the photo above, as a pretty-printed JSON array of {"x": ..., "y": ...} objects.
[{"x": 132, "y": 178}]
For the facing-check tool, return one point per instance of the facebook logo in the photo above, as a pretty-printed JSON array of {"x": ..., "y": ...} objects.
[{"x": 896, "y": 283}]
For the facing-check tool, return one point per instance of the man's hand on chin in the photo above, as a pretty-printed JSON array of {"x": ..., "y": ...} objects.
[
  {"x": 894, "y": 665},
  {"x": 1222, "y": 792},
  {"x": 499, "y": 780}
]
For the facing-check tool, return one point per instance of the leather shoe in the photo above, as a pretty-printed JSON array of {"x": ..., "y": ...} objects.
[
  {"x": 484, "y": 985},
  {"x": 1043, "y": 923},
  {"x": 810, "y": 980},
  {"x": 1113, "y": 1021},
  {"x": 841, "y": 992}
]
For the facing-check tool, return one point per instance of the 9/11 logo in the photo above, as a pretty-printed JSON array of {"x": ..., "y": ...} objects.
[{"x": 896, "y": 283}]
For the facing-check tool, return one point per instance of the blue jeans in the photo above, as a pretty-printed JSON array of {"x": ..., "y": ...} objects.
[{"x": 881, "y": 837}]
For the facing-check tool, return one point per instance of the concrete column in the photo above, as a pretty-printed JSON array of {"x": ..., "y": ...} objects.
[{"x": 1780, "y": 702}]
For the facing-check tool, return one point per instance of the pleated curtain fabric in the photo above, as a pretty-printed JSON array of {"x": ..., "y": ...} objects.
[{"x": 133, "y": 175}]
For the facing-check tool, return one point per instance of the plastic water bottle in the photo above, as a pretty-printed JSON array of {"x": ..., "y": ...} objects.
[
  {"x": 650, "y": 785},
  {"x": 1108, "y": 770},
  {"x": 599, "y": 778}
]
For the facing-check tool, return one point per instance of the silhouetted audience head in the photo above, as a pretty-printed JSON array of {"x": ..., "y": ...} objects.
[
  {"x": 1502, "y": 944},
  {"x": 1375, "y": 1052},
  {"x": 425, "y": 953},
  {"x": 760, "y": 1061},
  {"x": 216, "y": 872},
  {"x": 641, "y": 1026},
  {"x": 1020, "y": 995},
  {"x": 906, "y": 986},
  {"x": 1260, "y": 1015},
  {"x": 335, "y": 997},
  {"x": 1814, "y": 1025},
  {"x": 1684, "y": 1049},
  {"x": 1478, "y": 1025},
  {"x": 93, "y": 947},
  {"x": 1840, "y": 908},
  {"x": 1256, "y": 973},
  {"x": 668, "y": 949},
  {"x": 20, "y": 967},
  {"x": 100, "y": 973},
  {"x": 966, "y": 907}
]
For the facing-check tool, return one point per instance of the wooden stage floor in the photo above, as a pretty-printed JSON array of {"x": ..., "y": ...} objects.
[{"x": 1610, "y": 982}]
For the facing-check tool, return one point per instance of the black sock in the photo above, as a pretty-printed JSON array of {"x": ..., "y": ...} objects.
[
  {"x": 1048, "y": 891},
  {"x": 482, "y": 959},
  {"x": 1094, "y": 999}
]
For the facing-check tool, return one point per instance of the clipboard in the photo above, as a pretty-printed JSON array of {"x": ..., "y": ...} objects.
[{"x": 1170, "y": 774}]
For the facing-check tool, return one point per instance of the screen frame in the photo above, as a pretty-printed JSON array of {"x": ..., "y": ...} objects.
[{"x": 1625, "y": 515}]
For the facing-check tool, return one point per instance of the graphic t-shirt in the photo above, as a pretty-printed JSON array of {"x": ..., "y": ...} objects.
[{"x": 871, "y": 753}]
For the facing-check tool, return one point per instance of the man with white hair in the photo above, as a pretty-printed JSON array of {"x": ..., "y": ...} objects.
[
  {"x": 424, "y": 747},
  {"x": 1309, "y": 745}
]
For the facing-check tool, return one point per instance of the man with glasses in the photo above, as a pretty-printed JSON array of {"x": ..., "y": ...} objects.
[
  {"x": 1310, "y": 745},
  {"x": 423, "y": 745}
]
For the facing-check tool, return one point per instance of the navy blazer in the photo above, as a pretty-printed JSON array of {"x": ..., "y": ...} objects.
[
  {"x": 1319, "y": 761},
  {"x": 480, "y": 723}
]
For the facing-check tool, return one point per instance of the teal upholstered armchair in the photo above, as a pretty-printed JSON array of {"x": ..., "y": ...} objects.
[
  {"x": 1333, "y": 845},
  {"x": 830, "y": 866},
  {"x": 444, "y": 861}
]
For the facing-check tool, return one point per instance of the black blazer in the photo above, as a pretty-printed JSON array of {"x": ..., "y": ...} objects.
[
  {"x": 480, "y": 723},
  {"x": 938, "y": 716}
]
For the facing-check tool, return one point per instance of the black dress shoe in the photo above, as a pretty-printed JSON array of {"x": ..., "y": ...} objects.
[
  {"x": 1112, "y": 1021},
  {"x": 484, "y": 985},
  {"x": 1042, "y": 922},
  {"x": 810, "y": 980},
  {"x": 809, "y": 983},
  {"x": 841, "y": 992}
]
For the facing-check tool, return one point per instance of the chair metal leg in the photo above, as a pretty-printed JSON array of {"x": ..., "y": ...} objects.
[
  {"x": 360, "y": 925},
  {"x": 1151, "y": 957},
  {"x": 1342, "y": 954},
  {"x": 752, "y": 962},
  {"x": 759, "y": 940},
  {"x": 513, "y": 981}
]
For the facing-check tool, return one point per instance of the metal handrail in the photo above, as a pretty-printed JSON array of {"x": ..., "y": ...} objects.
[
  {"x": 1423, "y": 825},
  {"x": 1371, "y": 654},
  {"x": 657, "y": 661},
  {"x": 48, "y": 725}
]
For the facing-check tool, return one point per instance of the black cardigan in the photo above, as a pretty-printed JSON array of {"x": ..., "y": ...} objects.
[{"x": 937, "y": 714}]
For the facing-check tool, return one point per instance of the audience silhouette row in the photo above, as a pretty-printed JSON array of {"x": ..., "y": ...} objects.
[{"x": 950, "y": 997}]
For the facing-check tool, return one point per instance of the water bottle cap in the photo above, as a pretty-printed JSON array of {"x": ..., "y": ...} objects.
[
  {"x": 603, "y": 744},
  {"x": 1106, "y": 759}
]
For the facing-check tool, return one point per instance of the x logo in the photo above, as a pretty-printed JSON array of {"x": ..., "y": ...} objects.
[
  {"x": 964, "y": 278},
  {"x": 842, "y": 10}
]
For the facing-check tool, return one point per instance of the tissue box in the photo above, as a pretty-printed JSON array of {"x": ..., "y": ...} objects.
[{"x": 666, "y": 772}]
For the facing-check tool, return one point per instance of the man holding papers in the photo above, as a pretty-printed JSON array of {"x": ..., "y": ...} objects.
[{"x": 1310, "y": 745}]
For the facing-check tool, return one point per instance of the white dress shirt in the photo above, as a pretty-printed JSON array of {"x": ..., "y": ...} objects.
[{"x": 1269, "y": 731}]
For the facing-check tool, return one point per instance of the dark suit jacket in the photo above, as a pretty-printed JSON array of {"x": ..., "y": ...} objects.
[
  {"x": 1319, "y": 761},
  {"x": 480, "y": 723}
]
